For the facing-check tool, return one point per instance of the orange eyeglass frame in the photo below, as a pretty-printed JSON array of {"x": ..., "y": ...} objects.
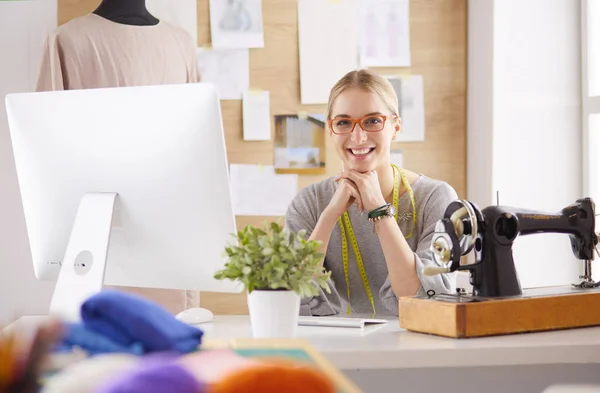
[{"x": 358, "y": 121}]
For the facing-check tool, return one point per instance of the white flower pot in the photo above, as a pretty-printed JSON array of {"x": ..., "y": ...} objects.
[{"x": 273, "y": 314}]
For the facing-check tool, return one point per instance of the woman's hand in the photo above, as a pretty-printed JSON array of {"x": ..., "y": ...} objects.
[
  {"x": 345, "y": 195},
  {"x": 368, "y": 188}
]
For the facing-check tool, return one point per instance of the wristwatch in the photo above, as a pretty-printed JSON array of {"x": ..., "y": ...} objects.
[{"x": 387, "y": 210}]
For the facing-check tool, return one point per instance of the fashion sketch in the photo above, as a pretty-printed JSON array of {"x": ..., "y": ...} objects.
[{"x": 236, "y": 17}]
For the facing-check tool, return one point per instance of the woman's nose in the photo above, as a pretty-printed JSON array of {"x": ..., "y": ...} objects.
[{"x": 358, "y": 134}]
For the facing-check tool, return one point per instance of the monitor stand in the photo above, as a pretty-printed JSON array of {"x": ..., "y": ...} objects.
[
  {"x": 83, "y": 267},
  {"x": 84, "y": 264}
]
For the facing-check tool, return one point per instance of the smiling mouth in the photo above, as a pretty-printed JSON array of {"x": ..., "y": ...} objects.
[{"x": 362, "y": 152}]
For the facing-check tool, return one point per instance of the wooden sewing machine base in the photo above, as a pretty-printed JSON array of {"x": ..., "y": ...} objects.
[{"x": 538, "y": 309}]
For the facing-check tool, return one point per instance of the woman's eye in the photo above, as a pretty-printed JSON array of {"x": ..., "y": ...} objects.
[
  {"x": 341, "y": 123},
  {"x": 373, "y": 120}
]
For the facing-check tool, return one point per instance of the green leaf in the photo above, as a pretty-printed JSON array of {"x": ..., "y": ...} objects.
[{"x": 273, "y": 258}]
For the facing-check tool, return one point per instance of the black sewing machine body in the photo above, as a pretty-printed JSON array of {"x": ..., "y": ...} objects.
[{"x": 491, "y": 233}]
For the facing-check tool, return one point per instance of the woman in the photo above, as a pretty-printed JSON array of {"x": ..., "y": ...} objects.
[{"x": 352, "y": 214}]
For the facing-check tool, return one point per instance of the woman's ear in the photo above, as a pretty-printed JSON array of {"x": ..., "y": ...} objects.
[{"x": 397, "y": 128}]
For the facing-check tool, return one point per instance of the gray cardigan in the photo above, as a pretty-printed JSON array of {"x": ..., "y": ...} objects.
[{"x": 431, "y": 198}]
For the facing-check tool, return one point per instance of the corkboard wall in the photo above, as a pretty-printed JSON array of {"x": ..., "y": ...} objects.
[{"x": 439, "y": 52}]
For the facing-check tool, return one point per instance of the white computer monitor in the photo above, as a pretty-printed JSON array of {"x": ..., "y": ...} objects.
[{"x": 123, "y": 186}]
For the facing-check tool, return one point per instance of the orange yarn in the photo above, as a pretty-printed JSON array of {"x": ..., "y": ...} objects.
[
  {"x": 20, "y": 364},
  {"x": 275, "y": 378},
  {"x": 8, "y": 360}
]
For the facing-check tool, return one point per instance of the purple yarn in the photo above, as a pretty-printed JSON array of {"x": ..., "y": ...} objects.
[
  {"x": 156, "y": 377},
  {"x": 153, "y": 358}
]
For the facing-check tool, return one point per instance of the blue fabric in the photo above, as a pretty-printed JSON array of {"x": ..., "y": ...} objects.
[
  {"x": 77, "y": 335},
  {"x": 128, "y": 319}
]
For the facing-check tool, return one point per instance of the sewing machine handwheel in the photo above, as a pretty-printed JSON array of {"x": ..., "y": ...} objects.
[
  {"x": 464, "y": 229},
  {"x": 445, "y": 245}
]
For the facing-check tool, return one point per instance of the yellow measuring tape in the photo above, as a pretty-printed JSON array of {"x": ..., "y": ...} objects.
[{"x": 347, "y": 225}]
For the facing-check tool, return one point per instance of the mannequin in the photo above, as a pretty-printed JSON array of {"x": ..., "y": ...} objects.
[
  {"x": 127, "y": 12},
  {"x": 118, "y": 44}
]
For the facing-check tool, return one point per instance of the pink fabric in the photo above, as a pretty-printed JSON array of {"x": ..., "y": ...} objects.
[{"x": 210, "y": 366}]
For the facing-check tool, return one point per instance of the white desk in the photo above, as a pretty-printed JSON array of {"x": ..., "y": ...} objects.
[{"x": 382, "y": 358}]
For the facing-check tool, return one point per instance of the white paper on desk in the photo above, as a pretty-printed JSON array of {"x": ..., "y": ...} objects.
[
  {"x": 385, "y": 33},
  {"x": 258, "y": 191},
  {"x": 411, "y": 101},
  {"x": 236, "y": 24},
  {"x": 328, "y": 42},
  {"x": 180, "y": 13},
  {"x": 256, "y": 115},
  {"x": 227, "y": 69}
]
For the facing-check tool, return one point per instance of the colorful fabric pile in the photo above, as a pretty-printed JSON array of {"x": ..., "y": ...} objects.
[{"x": 132, "y": 345}]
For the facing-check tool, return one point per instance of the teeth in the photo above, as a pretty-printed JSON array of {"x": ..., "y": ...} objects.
[{"x": 359, "y": 152}]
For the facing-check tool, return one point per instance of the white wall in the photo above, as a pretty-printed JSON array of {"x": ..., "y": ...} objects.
[
  {"x": 524, "y": 114},
  {"x": 480, "y": 101},
  {"x": 23, "y": 28}
]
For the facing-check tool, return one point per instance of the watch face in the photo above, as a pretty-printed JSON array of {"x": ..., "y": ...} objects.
[{"x": 392, "y": 210}]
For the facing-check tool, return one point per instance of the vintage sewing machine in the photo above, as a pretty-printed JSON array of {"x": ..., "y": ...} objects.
[{"x": 498, "y": 304}]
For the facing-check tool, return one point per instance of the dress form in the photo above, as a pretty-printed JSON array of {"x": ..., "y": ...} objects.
[{"x": 127, "y": 12}]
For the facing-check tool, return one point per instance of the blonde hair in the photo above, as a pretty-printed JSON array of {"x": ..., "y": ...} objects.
[{"x": 366, "y": 80}]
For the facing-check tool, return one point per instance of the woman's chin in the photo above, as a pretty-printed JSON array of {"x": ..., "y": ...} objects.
[{"x": 359, "y": 166}]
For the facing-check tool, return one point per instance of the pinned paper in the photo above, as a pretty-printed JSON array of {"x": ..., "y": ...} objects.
[
  {"x": 256, "y": 114},
  {"x": 397, "y": 158},
  {"x": 256, "y": 190},
  {"x": 385, "y": 33},
  {"x": 236, "y": 24},
  {"x": 328, "y": 45},
  {"x": 228, "y": 70},
  {"x": 412, "y": 109},
  {"x": 299, "y": 143}
]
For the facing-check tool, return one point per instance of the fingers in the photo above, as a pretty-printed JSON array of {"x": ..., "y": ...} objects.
[
  {"x": 353, "y": 189},
  {"x": 348, "y": 187},
  {"x": 353, "y": 176}
]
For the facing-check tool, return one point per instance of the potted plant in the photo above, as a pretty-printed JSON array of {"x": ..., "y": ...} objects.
[{"x": 277, "y": 269}]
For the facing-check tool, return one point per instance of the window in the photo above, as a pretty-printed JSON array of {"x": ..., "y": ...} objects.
[{"x": 590, "y": 100}]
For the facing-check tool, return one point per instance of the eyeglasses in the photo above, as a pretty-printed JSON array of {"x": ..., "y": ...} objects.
[{"x": 369, "y": 123}]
